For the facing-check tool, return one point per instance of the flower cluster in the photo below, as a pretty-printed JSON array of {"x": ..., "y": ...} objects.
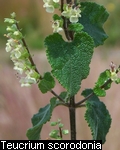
[
  {"x": 19, "y": 53},
  {"x": 72, "y": 13},
  {"x": 69, "y": 11},
  {"x": 50, "y": 5}
]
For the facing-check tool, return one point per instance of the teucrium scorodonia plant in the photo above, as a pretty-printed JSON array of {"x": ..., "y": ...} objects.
[{"x": 82, "y": 23}]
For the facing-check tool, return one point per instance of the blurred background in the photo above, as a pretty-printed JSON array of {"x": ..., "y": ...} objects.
[{"x": 17, "y": 105}]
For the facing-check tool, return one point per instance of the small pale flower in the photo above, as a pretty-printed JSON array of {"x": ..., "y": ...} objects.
[
  {"x": 46, "y": 1},
  {"x": 76, "y": 11},
  {"x": 75, "y": 14},
  {"x": 14, "y": 55},
  {"x": 18, "y": 51},
  {"x": 18, "y": 34},
  {"x": 24, "y": 82},
  {"x": 17, "y": 54},
  {"x": 13, "y": 15},
  {"x": 50, "y": 5},
  {"x": 67, "y": 11},
  {"x": 51, "y": 1},
  {"x": 56, "y": 26},
  {"x": 9, "y": 29},
  {"x": 32, "y": 74},
  {"x": 12, "y": 42},
  {"x": 73, "y": 19},
  {"x": 20, "y": 66},
  {"x": 18, "y": 69},
  {"x": 49, "y": 8},
  {"x": 8, "y": 47},
  {"x": 56, "y": 1},
  {"x": 27, "y": 81},
  {"x": 114, "y": 76},
  {"x": 72, "y": 13},
  {"x": 31, "y": 80},
  {"x": 9, "y": 20}
]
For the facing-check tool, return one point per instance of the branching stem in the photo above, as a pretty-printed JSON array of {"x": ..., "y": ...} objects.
[{"x": 91, "y": 94}]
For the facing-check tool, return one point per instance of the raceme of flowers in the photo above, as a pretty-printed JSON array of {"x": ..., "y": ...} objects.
[
  {"x": 19, "y": 54},
  {"x": 69, "y": 11}
]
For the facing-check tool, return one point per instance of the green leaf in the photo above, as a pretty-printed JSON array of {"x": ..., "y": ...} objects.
[
  {"x": 92, "y": 18},
  {"x": 56, "y": 5},
  {"x": 56, "y": 17},
  {"x": 47, "y": 83},
  {"x": 76, "y": 27},
  {"x": 117, "y": 81},
  {"x": 39, "y": 119},
  {"x": 65, "y": 96},
  {"x": 103, "y": 83},
  {"x": 97, "y": 116},
  {"x": 70, "y": 60},
  {"x": 99, "y": 92}
]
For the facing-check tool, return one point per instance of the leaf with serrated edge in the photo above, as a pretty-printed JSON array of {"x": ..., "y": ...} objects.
[
  {"x": 47, "y": 83},
  {"x": 99, "y": 92},
  {"x": 103, "y": 78},
  {"x": 70, "y": 60},
  {"x": 39, "y": 119},
  {"x": 92, "y": 18},
  {"x": 97, "y": 116}
]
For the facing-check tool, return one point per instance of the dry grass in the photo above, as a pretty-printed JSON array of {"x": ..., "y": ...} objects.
[{"x": 17, "y": 105}]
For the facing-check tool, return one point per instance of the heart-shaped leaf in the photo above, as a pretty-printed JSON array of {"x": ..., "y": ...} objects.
[{"x": 70, "y": 60}]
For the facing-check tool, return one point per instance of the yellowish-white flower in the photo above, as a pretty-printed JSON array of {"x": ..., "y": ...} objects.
[
  {"x": 49, "y": 8},
  {"x": 114, "y": 76},
  {"x": 72, "y": 13},
  {"x": 50, "y": 5},
  {"x": 31, "y": 78},
  {"x": 75, "y": 14},
  {"x": 8, "y": 47},
  {"x": 26, "y": 81},
  {"x": 57, "y": 26},
  {"x": 20, "y": 55},
  {"x": 67, "y": 11},
  {"x": 18, "y": 69}
]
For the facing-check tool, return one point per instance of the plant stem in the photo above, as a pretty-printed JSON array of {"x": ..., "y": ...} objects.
[
  {"x": 30, "y": 58},
  {"x": 82, "y": 101},
  {"x": 65, "y": 23},
  {"x": 91, "y": 94},
  {"x": 58, "y": 97},
  {"x": 72, "y": 118},
  {"x": 32, "y": 62}
]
